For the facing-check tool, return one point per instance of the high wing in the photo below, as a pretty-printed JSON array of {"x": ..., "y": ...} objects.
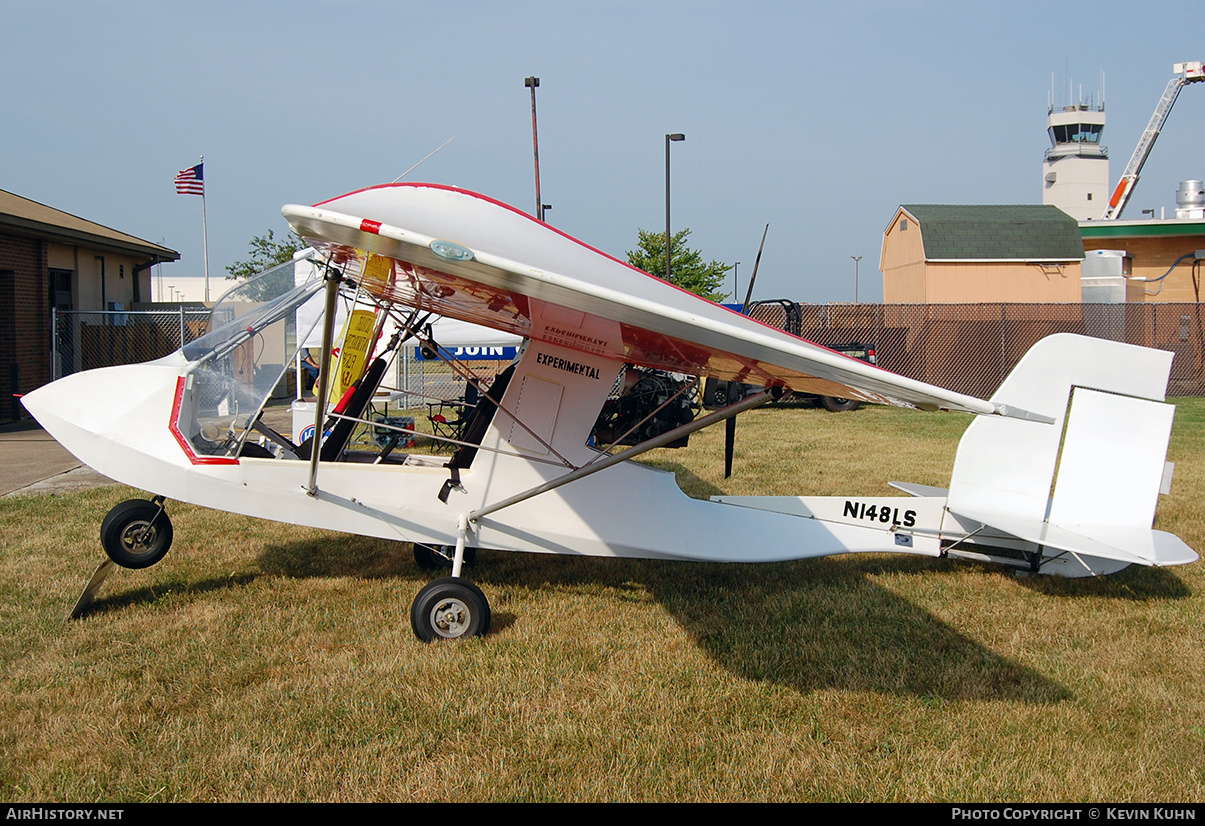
[{"x": 466, "y": 256}]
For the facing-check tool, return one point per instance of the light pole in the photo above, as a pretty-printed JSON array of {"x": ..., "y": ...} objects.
[
  {"x": 857, "y": 259},
  {"x": 676, "y": 136},
  {"x": 532, "y": 83},
  {"x": 735, "y": 280}
]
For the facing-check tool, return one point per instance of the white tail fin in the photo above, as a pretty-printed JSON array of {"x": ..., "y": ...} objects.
[{"x": 1107, "y": 448}]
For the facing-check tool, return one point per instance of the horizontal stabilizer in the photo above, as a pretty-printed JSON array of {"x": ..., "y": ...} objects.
[
  {"x": 1131, "y": 545},
  {"x": 919, "y": 490}
]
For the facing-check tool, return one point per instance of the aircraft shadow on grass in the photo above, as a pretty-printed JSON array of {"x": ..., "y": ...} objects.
[
  {"x": 173, "y": 584},
  {"x": 809, "y": 625}
]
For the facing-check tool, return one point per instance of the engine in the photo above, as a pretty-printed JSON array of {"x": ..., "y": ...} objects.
[{"x": 638, "y": 392}]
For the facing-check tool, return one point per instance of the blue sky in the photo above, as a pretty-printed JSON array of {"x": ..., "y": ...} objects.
[{"x": 819, "y": 119}]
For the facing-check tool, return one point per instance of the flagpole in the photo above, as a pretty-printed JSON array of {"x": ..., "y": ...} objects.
[
  {"x": 205, "y": 239},
  {"x": 191, "y": 181}
]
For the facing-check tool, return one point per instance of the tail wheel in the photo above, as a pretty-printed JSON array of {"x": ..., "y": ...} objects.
[
  {"x": 449, "y": 609},
  {"x": 136, "y": 533}
]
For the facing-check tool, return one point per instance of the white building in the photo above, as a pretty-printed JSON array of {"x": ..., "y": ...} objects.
[{"x": 1075, "y": 174}]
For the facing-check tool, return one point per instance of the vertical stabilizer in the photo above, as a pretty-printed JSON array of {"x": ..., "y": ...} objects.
[{"x": 1106, "y": 448}]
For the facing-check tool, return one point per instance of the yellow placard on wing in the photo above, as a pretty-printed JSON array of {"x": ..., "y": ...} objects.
[
  {"x": 353, "y": 357},
  {"x": 377, "y": 274}
]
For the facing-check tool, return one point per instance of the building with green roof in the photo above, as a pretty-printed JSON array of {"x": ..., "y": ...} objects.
[{"x": 957, "y": 254}]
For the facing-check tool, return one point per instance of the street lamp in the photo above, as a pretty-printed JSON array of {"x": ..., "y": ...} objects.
[
  {"x": 857, "y": 259},
  {"x": 676, "y": 136},
  {"x": 532, "y": 83}
]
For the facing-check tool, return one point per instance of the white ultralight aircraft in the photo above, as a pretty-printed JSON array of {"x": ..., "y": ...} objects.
[{"x": 525, "y": 474}]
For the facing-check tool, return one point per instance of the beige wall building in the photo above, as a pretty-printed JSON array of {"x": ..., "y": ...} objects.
[
  {"x": 955, "y": 254},
  {"x": 52, "y": 259},
  {"x": 1151, "y": 249}
]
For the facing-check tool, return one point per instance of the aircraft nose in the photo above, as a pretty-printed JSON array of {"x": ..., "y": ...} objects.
[
  {"x": 51, "y": 401},
  {"x": 94, "y": 412},
  {"x": 88, "y": 401}
]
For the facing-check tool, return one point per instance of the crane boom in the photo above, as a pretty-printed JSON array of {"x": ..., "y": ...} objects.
[{"x": 1184, "y": 73}]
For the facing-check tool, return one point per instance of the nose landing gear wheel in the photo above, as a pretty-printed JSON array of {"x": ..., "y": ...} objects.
[
  {"x": 450, "y": 608},
  {"x": 136, "y": 533}
]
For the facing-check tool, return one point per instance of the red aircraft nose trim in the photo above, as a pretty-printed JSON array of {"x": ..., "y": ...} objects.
[{"x": 184, "y": 443}]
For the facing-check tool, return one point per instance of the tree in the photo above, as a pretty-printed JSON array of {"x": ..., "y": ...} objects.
[
  {"x": 688, "y": 272},
  {"x": 267, "y": 252}
]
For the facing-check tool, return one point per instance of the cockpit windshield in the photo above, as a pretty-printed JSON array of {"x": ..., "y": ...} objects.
[
  {"x": 247, "y": 309},
  {"x": 241, "y": 362}
]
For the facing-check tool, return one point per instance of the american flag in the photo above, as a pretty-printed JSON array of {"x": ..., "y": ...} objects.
[{"x": 191, "y": 181}]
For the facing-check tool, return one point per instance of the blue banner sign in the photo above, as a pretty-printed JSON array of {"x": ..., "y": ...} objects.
[{"x": 477, "y": 353}]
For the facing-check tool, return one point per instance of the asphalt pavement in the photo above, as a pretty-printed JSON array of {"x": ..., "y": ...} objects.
[{"x": 32, "y": 462}]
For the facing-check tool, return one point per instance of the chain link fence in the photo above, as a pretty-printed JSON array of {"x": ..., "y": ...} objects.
[
  {"x": 971, "y": 348},
  {"x": 87, "y": 339},
  {"x": 425, "y": 381}
]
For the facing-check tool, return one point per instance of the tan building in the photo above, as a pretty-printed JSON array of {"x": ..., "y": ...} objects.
[
  {"x": 957, "y": 254},
  {"x": 50, "y": 258},
  {"x": 1150, "y": 250}
]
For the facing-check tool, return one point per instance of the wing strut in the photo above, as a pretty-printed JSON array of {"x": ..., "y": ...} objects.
[
  {"x": 614, "y": 459},
  {"x": 332, "y": 277}
]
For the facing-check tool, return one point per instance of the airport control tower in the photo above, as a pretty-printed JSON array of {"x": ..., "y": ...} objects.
[{"x": 1075, "y": 174}]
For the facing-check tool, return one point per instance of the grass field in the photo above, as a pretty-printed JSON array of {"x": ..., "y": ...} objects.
[{"x": 259, "y": 662}]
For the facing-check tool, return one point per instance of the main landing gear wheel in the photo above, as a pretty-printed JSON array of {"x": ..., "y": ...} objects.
[
  {"x": 448, "y": 609},
  {"x": 136, "y": 533},
  {"x": 836, "y": 404},
  {"x": 438, "y": 558}
]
